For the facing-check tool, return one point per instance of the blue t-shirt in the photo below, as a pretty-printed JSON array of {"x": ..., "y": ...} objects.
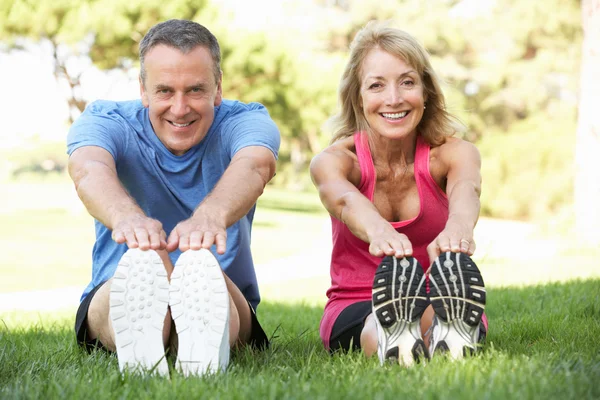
[{"x": 168, "y": 187}]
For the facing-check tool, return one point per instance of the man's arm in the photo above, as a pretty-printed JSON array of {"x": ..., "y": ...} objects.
[
  {"x": 94, "y": 174},
  {"x": 243, "y": 182}
]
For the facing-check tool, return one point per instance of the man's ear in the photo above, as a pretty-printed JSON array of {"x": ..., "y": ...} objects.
[
  {"x": 143, "y": 93},
  {"x": 219, "y": 94}
]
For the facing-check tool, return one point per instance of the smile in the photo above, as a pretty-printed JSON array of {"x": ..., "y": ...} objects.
[
  {"x": 395, "y": 115},
  {"x": 180, "y": 125}
]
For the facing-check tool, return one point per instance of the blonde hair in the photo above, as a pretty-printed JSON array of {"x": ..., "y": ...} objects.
[{"x": 436, "y": 124}]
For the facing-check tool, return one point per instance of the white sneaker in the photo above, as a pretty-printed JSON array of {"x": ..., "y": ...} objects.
[
  {"x": 139, "y": 297},
  {"x": 399, "y": 300},
  {"x": 199, "y": 303},
  {"x": 458, "y": 299}
]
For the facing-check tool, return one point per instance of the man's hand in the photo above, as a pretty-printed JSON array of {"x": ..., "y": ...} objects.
[
  {"x": 200, "y": 231},
  {"x": 456, "y": 237},
  {"x": 139, "y": 231},
  {"x": 388, "y": 242}
]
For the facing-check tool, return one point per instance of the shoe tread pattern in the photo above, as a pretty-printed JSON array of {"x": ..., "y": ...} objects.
[
  {"x": 139, "y": 298},
  {"x": 399, "y": 292},
  {"x": 399, "y": 298},
  {"x": 457, "y": 289},
  {"x": 200, "y": 310}
]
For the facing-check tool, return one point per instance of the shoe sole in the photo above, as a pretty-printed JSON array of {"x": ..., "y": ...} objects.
[
  {"x": 458, "y": 298},
  {"x": 199, "y": 303},
  {"x": 399, "y": 300},
  {"x": 139, "y": 299}
]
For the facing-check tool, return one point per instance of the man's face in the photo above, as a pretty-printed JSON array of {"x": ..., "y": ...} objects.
[{"x": 180, "y": 93}]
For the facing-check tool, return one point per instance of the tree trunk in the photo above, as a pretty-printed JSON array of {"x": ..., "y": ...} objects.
[
  {"x": 76, "y": 103},
  {"x": 587, "y": 151}
]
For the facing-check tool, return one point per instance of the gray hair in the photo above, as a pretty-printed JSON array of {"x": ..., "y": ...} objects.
[{"x": 182, "y": 35}]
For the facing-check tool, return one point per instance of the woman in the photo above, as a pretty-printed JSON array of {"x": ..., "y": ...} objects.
[{"x": 403, "y": 195}]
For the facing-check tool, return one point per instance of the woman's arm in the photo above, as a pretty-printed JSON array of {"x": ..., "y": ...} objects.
[
  {"x": 335, "y": 174},
  {"x": 463, "y": 188}
]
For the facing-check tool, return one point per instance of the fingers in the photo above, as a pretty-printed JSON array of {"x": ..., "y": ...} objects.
[
  {"x": 463, "y": 245},
  {"x": 185, "y": 238},
  {"x": 397, "y": 246},
  {"x": 455, "y": 243},
  {"x": 433, "y": 251},
  {"x": 221, "y": 242},
  {"x": 140, "y": 232},
  {"x": 173, "y": 241}
]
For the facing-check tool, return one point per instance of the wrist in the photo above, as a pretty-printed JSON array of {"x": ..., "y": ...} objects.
[
  {"x": 204, "y": 212},
  {"x": 119, "y": 214}
]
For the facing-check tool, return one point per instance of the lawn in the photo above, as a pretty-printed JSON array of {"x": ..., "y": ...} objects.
[
  {"x": 543, "y": 340},
  {"x": 543, "y": 344}
]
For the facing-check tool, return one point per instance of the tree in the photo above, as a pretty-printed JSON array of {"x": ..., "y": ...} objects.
[
  {"x": 105, "y": 31},
  {"x": 52, "y": 21},
  {"x": 587, "y": 181}
]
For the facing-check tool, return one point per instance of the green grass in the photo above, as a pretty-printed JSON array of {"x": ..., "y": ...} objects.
[
  {"x": 543, "y": 344},
  {"x": 543, "y": 340}
]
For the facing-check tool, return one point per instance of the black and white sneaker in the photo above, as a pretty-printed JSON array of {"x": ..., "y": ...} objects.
[
  {"x": 199, "y": 303},
  {"x": 399, "y": 300},
  {"x": 139, "y": 298},
  {"x": 458, "y": 299}
]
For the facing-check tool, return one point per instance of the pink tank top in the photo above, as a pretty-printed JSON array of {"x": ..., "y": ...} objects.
[{"x": 352, "y": 266}]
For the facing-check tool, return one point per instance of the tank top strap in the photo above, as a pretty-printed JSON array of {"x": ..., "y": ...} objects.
[
  {"x": 365, "y": 162},
  {"x": 428, "y": 186},
  {"x": 421, "y": 157}
]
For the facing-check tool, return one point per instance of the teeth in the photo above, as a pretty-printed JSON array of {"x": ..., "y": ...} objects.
[
  {"x": 395, "y": 115},
  {"x": 180, "y": 125}
]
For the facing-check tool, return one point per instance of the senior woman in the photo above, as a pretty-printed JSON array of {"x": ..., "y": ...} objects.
[{"x": 403, "y": 195}]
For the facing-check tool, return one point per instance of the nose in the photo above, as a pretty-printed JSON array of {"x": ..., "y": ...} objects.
[
  {"x": 179, "y": 105},
  {"x": 394, "y": 95}
]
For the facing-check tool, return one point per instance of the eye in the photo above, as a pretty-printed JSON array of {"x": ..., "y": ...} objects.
[
  {"x": 196, "y": 90},
  {"x": 375, "y": 86},
  {"x": 163, "y": 91},
  {"x": 408, "y": 83}
]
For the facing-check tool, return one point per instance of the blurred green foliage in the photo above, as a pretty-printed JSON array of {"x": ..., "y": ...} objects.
[{"x": 511, "y": 71}]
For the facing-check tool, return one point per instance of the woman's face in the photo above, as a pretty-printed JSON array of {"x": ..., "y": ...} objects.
[{"x": 392, "y": 95}]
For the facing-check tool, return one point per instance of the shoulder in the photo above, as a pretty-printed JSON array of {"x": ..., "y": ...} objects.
[
  {"x": 342, "y": 150},
  {"x": 111, "y": 114},
  {"x": 338, "y": 157},
  {"x": 455, "y": 149},
  {"x": 234, "y": 117},
  {"x": 124, "y": 109},
  {"x": 237, "y": 110}
]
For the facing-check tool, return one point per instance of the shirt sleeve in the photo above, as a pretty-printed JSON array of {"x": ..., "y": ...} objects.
[
  {"x": 100, "y": 127},
  {"x": 252, "y": 127}
]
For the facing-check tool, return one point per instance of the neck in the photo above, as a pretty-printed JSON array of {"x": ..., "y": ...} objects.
[{"x": 393, "y": 152}]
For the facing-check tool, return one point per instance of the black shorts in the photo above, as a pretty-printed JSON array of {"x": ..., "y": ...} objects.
[
  {"x": 349, "y": 325},
  {"x": 258, "y": 337}
]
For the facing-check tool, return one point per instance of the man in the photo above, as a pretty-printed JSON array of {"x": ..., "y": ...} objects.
[{"x": 167, "y": 178}]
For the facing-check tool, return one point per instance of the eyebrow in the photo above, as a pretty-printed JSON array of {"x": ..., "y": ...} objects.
[
  {"x": 167, "y": 87},
  {"x": 401, "y": 76}
]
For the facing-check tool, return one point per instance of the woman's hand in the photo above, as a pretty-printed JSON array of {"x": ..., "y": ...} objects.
[
  {"x": 388, "y": 242},
  {"x": 456, "y": 237}
]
